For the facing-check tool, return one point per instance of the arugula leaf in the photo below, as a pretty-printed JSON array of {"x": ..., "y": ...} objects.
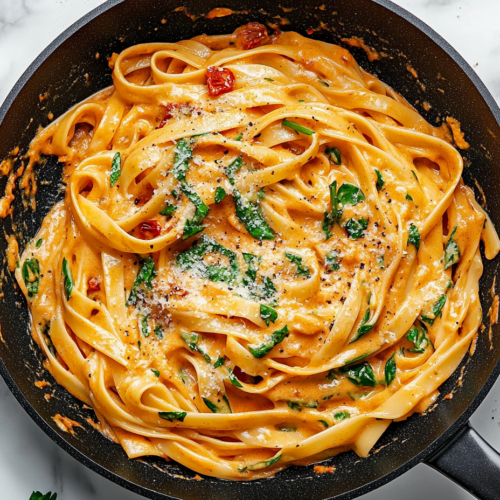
[
  {"x": 437, "y": 308},
  {"x": 219, "y": 362},
  {"x": 145, "y": 330},
  {"x": 419, "y": 338},
  {"x": 36, "y": 495},
  {"x": 356, "y": 228},
  {"x": 349, "y": 194},
  {"x": 168, "y": 210},
  {"x": 172, "y": 415},
  {"x": 390, "y": 370},
  {"x": 34, "y": 266},
  {"x": 116, "y": 169},
  {"x": 269, "y": 290},
  {"x": 68, "y": 278},
  {"x": 39, "y": 243},
  {"x": 261, "y": 465},
  {"x": 341, "y": 415},
  {"x": 451, "y": 251},
  {"x": 360, "y": 375},
  {"x": 183, "y": 153},
  {"x": 145, "y": 274},
  {"x": 192, "y": 259},
  {"x": 380, "y": 180},
  {"x": 334, "y": 155},
  {"x": 332, "y": 260},
  {"x": 268, "y": 314},
  {"x": 414, "y": 237},
  {"x": 220, "y": 194},
  {"x": 259, "y": 351},
  {"x": 297, "y": 127},
  {"x": 301, "y": 269},
  {"x": 158, "y": 332},
  {"x": 156, "y": 372},
  {"x": 233, "y": 379}
]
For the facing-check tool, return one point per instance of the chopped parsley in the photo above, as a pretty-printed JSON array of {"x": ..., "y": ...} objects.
[
  {"x": 332, "y": 260},
  {"x": 220, "y": 194},
  {"x": 380, "y": 180},
  {"x": 268, "y": 314}
]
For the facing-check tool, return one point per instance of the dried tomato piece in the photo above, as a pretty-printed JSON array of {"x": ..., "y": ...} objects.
[
  {"x": 219, "y": 80},
  {"x": 149, "y": 229},
  {"x": 250, "y": 35},
  {"x": 94, "y": 284},
  {"x": 168, "y": 114}
]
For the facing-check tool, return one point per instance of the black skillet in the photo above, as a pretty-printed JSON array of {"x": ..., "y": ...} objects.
[{"x": 442, "y": 438}]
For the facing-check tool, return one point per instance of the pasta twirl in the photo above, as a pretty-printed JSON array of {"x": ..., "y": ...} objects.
[{"x": 265, "y": 255}]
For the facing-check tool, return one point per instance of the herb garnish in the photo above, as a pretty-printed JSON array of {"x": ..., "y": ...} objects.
[
  {"x": 360, "y": 375},
  {"x": 233, "y": 379},
  {"x": 34, "y": 266},
  {"x": 268, "y": 314},
  {"x": 380, "y": 180},
  {"x": 145, "y": 275},
  {"x": 261, "y": 465},
  {"x": 297, "y": 127},
  {"x": 36, "y": 495},
  {"x": 334, "y": 155},
  {"x": 356, "y": 228},
  {"x": 301, "y": 270},
  {"x": 172, "y": 415},
  {"x": 419, "y": 337},
  {"x": 332, "y": 260},
  {"x": 437, "y": 308},
  {"x": 259, "y": 351},
  {"x": 341, "y": 415},
  {"x": 192, "y": 259},
  {"x": 168, "y": 210},
  {"x": 39, "y": 243},
  {"x": 116, "y": 169},
  {"x": 414, "y": 237},
  {"x": 220, "y": 194},
  {"x": 451, "y": 251},
  {"x": 68, "y": 278},
  {"x": 183, "y": 153},
  {"x": 390, "y": 370},
  {"x": 247, "y": 211}
]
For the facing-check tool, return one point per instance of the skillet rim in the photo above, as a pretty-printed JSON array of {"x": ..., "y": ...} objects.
[{"x": 442, "y": 440}]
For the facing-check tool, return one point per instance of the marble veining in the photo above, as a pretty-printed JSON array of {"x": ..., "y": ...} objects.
[{"x": 29, "y": 460}]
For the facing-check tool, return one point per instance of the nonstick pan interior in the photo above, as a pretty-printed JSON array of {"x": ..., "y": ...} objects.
[{"x": 444, "y": 81}]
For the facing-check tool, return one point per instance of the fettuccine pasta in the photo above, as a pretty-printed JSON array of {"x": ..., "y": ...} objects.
[{"x": 264, "y": 255}]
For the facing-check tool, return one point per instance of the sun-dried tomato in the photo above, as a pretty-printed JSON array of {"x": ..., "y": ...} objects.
[
  {"x": 149, "y": 229},
  {"x": 219, "y": 80},
  {"x": 250, "y": 35},
  {"x": 94, "y": 284},
  {"x": 168, "y": 114}
]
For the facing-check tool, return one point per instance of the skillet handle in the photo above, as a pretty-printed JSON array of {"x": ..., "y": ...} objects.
[{"x": 471, "y": 462}]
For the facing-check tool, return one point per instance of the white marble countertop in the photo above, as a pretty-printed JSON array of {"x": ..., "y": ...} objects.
[{"x": 29, "y": 460}]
